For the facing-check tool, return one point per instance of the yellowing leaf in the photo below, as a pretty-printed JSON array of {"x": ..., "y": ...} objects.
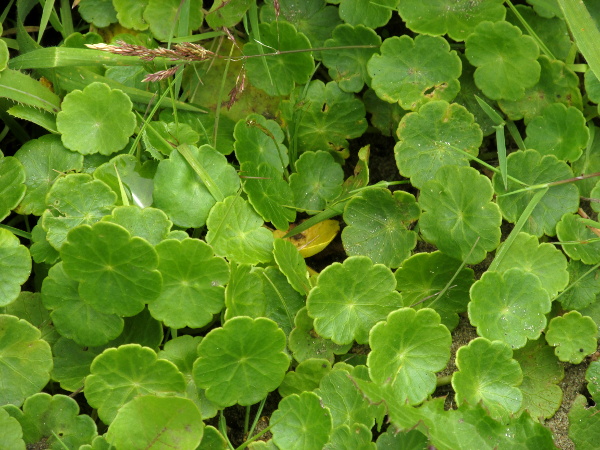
[{"x": 313, "y": 240}]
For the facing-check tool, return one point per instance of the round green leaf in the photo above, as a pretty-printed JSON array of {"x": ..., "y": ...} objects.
[
  {"x": 44, "y": 160},
  {"x": 282, "y": 301},
  {"x": 313, "y": 18},
  {"x": 99, "y": 12},
  {"x": 183, "y": 195},
  {"x": 116, "y": 272},
  {"x": 269, "y": 194},
  {"x": 456, "y": 18},
  {"x": 369, "y": 14},
  {"x": 224, "y": 13},
  {"x": 278, "y": 74},
  {"x": 557, "y": 84},
  {"x": 558, "y": 131},
  {"x": 543, "y": 260},
  {"x": 348, "y": 67},
  {"x": 377, "y": 226},
  {"x": 573, "y": 335},
  {"x": 532, "y": 168},
  {"x": 328, "y": 118},
  {"x": 509, "y": 306},
  {"x": 384, "y": 116},
  {"x": 236, "y": 231},
  {"x": 72, "y": 363},
  {"x": 346, "y": 403},
  {"x": 401, "y": 74},
  {"x": 55, "y": 421},
  {"x": 541, "y": 374},
  {"x": 487, "y": 373},
  {"x": 429, "y": 139},
  {"x": 72, "y": 317},
  {"x": 125, "y": 170},
  {"x": 242, "y": 361},
  {"x": 424, "y": 275},
  {"x": 584, "y": 286},
  {"x": 160, "y": 137},
  {"x": 259, "y": 140},
  {"x": 592, "y": 376},
  {"x": 305, "y": 343},
  {"x": 317, "y": 180},
  {"x": 350, "y": 298},
  {"x": 12, "y": 434},
  {"x": 96, "y": 120},
  {"x": 29, "y": 306},
  {"x": 458, "y": 215},
  {"x": 41, "y": 250},
  {"x": 355, "y": 436},
  {"x": 163, "y": 17},
  {"x": 585, "y": 423},
  {"x": 292, "y": 265},
  {"x": 129, "y": 13},
  {"x": 12, "y": 184},
  {"x": 120, "y": 374},
  {"x": 306, "y": 377},
  {"x": 25, "y": 360},
  {"x": 506, "y": 60},
  {"x": 193, "y": 280},
  {"x": 150, "y": 224},
  {"x": 15, "y": 266},
  {"x": 406, "y": 351},
  {"x": 300, "y": 422},
  {"x": 74, "y": 200},
  {"x": 158, "y": 423},
  {"x": 244, "y": 294},
  {"x": 571, "y": 230}
]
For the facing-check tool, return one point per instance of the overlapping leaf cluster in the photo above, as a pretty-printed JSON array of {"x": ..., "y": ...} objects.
[{"x": 143, "y": 256}]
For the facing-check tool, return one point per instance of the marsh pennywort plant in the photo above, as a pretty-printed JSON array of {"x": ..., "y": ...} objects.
[{"x": 148, "y": 299}]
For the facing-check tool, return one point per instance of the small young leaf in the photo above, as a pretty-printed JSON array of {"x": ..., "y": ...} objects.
[
  {"x": 13, "y": 185},
  {"x": 118, "y": 375},
  {"x": 458, "y": 215},
  {"x": 150, "y": 224},
  {"x": 424, "y": 275},
  {"x": 369, "y": 14},
  {"x": 183, "y": 195},
  {"x": 317, "y": 180},
  {"x": 269, "y": 194},
  {"x": 96, "y": 120},
  {"x": 456, "y": 18},
  {"x": 136, "y": 179},
  {"x": 282, "y": 71},
  {"x": 349, "y": 66},
  {"x": 163, "y": 15},
  {"x": 116, "y": 272},
  {"x": 74, "y": 200},
  {"x": 282, "y": 301},
  {"x": 259, "y": 140},
  {"x": 43, "y": 159},
  {"x": 25, "y": 360},
  {"x": 74, "y": 318},
  {"x": 41, "y": 250},
  {"x": 193, "y": 280},
  {"x": 98, "y": 12},
  {"x": 129, "y": 13},
  {"x": 241, "y": 362},
  {"x": 306, "y": 377},
  {"x": 305, "y": 343},
  {"x": 576, "y": 236},
  {"x": 543, "y": 260},
  {"x": 557, "y": 84},
  {"x": 147, "y": 420},
  {"x": 224, "y": 13},
  {"x": 488, "y": 373},
  {"x": 573, "y": 335},
  {"x": 506, "y": 60},
  {"x": 401, "y": 74},
  {"x": 509, "y": 306},
  {"x": 236, "y": 231},
  {"x": 541, "y": 374},
  {"x": 55, "y": 420},
  {"x": 377, "y": 226},
  {"x": 328, "y": 117},
  {"x": 350, "y": 298},
  {"x": 429, "y": 139},
  {"x": 558, "y": 131},
  {"x": 300, "y": 422},
  {"x": 532, "y": 168},
  {"x": 15, "y": 266},
  {"x": 406, "y": 351},
  {"x": 292, "y": 265}
]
